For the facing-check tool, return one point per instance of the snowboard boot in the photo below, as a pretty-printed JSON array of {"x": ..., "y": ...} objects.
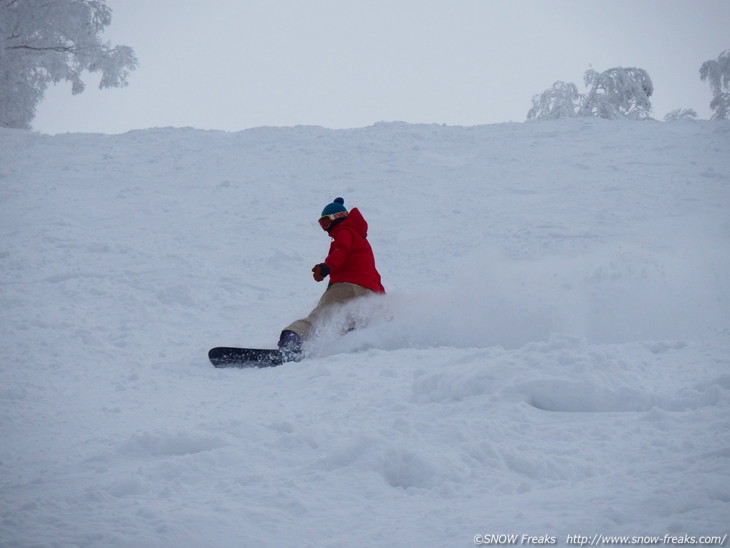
[{"x": 290, "y": 344}]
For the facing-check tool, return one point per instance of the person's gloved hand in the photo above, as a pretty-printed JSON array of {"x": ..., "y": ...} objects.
[{"x": 320, "y": 272}]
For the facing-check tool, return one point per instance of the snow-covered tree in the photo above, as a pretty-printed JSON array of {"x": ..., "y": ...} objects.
[
  {"x": 560, "y": 101},
  {"x": 717, "y": 73},
  {"x": 680, "y": 114},
  {"x": 618, "y": 93},
  {"x": 44, "y": 41}
]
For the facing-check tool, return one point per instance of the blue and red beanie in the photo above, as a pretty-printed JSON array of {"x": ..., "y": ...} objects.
[{"x": 337, "y": 206}]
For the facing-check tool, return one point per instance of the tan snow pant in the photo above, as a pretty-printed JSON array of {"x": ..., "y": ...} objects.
[{"x": 335, "y": 295}]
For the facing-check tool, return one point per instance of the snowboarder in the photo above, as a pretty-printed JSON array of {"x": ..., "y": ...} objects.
[{"x": 350, "y": 265}]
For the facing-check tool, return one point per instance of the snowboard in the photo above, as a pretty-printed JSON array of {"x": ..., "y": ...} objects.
[{"x": 224, "y": 356}]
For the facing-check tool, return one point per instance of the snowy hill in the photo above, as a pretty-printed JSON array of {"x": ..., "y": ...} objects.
[{"x": 552, "y": 357}]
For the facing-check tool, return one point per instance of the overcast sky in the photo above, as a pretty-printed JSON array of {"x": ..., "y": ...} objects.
[{"x": 236, "y": 64}]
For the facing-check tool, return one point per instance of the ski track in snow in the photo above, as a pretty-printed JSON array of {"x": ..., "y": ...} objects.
[{"x": 551, "y": 358}]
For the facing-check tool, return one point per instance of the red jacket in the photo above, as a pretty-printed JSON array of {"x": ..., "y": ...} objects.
[{"x": 350, "y": 258}]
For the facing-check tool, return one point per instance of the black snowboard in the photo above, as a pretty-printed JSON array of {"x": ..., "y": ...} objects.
[{"x": 223, "y": 356}]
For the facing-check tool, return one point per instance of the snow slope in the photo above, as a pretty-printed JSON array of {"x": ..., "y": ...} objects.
[{"x": 552, "y": 357}]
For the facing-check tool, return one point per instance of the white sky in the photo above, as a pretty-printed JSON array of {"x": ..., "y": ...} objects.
[{"x": 236, "y": 64}]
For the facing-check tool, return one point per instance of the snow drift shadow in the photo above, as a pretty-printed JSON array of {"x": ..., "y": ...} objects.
[{"x": 588, "y": 397}]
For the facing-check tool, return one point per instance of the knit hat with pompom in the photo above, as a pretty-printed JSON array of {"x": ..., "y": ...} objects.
[{"x": 337, "y": 206}]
